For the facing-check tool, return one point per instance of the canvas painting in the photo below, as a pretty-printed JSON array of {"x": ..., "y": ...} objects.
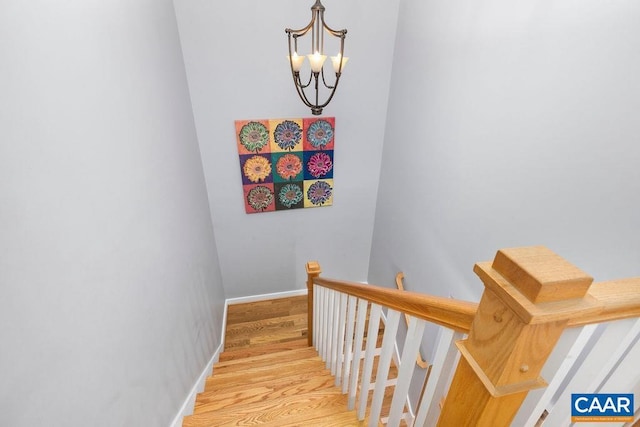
[{"x": 286, "y": 163}]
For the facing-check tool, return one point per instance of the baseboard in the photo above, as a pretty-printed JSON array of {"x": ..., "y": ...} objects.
[
  {"x": 262, "y": 297},
  {"x": 189, "y": 403}
]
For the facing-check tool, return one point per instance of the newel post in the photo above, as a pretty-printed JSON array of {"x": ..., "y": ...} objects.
[
  {"x": 530, "y": 294},
  {"x": 313, "y": 271}
]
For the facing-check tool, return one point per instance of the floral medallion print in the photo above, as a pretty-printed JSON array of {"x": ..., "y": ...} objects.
[
  {"x": 254, "y": 136},
  {"x": 257, "y": 168},
  {"x": 259, "y": 198},
  {"x": 288, "y": 166},
  {"x": 319, "y": 192},
  {"x": 290, "y": 195},
  {"x": 319, "y": 164},
  {"x": 287, "y": 134},
  {"x": 319, "y": 133}
]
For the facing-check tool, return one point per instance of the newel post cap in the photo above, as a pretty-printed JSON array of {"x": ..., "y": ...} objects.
[
  {"x": 538, "y": 284},
  {"x": 313, "y": 268},
  {"x": 540, "y": 274}
]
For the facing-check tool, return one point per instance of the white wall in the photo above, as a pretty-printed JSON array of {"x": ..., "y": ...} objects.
[
  {"x": 235, "y": 55},
  {"x": 510, "y": 124},
  {"x": 110, "y": 291}
]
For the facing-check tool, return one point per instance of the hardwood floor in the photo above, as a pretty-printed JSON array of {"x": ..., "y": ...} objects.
[{"x": 262, "y": 327}]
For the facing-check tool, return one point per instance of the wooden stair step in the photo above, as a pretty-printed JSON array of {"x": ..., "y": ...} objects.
[
  {"x": 263, "y": 373},
  {"x": 269, "y": 411},
  {"x": 239, "y": 387},
  {"x": 282, "y": 335},
  {"x": 293, "y": 385},
  {"x": 324, "y": 417},
  {"x": 243, "y": 353},
  {"x": 260, "y": 310},
  {"x": 260, "y": 326},
  {"x": 268, "y": 359}
]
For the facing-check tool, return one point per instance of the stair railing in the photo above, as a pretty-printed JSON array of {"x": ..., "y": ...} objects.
[{"x": 531, "y": 296}]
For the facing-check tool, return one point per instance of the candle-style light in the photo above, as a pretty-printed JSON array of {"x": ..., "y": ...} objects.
[
  {"x": 296, "y": 61},
  {"x": 338, "y": 62},
  {"x": 317, "y": 58}
]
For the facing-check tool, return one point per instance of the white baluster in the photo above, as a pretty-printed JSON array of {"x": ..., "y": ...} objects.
[
  {"x": 340, "y": 344},
  {"x": 357, "y": 353},
  {"x": 439, "y": 377},
  {"x": 407, "y": 365},
  {"x": 369, "y": 354},
  {"x": 335, "y": 341},
  {"x": 325, "y": 323},
  {"x": 388, "y": 346},
  {"x": 316, "y": 315},
  {"x": 319, "y": 297},
  {"x": 616, "y": 355},
  {"x": 348, "y": 352},
  {"x": 330, "y": 326}
]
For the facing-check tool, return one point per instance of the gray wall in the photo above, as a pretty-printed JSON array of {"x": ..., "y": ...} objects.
[
  {"x": 510, "y": 124},
  {"x": 110, "y": 291},
  {"x": 235, "y": 55}
]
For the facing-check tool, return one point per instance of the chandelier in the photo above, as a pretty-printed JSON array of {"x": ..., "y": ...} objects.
[{"x": 317, "y": 26}]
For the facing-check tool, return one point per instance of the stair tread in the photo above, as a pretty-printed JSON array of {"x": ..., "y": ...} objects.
[
  {"x": 320, "y": 418},
  {"x": 239, "y": 387},
  {"x": 266, "y": 359},
  {"x": 263, "y": 373},
  {"x": 272, "y": 410},
  {"x": 266, "y": 390},
  {"x": 284, "y": 334},
  {"x": 259, "y": 326},
  {"x": 260, "y": 310},
  {"x": 246, "y": 352}
]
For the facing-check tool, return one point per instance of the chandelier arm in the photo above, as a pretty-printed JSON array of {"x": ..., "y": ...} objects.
[
  {"x": 339, "y": 72},
  {"x": 296, "y": 74},
  {"x": 336, "y": 33},
  {"x": 303, "y": 96},
  {"x": 317, "y": 105},
  {"x": 301, "y": 31},
  {"x": 324, "y": 82},
  {"x": 298, "y": 82},
  {"x": 333, "y": 91}
]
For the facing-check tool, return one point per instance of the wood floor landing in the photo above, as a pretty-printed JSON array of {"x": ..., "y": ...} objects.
[{"x": 262, "y": 327}]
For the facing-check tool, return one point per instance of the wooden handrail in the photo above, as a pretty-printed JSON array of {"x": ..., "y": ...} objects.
[
  {"x": 618, "y": 299},
  {"x": 610, "y": 300},
  {"x": 454, "y": 314}
]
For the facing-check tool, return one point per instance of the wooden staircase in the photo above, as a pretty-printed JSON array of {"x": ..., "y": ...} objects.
[
  {"x": 267, "y": 374},
  {"x": 286, "y": 388}
]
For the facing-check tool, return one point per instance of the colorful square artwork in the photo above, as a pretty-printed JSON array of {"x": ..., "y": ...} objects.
[{"x": 286, "y": 163}]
